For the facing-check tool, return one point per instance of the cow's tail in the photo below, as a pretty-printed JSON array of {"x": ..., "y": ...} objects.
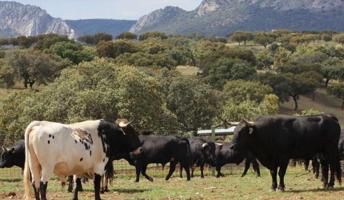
[
  {"x": 27, "y": 174},
  {"x": 109, "y": 171},
  {"x": 188, "y": 149}
]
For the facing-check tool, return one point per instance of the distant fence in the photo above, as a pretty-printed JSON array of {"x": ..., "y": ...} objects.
[{"x": 123, "y": 169}]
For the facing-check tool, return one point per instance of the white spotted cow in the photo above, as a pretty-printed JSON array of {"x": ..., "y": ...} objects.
[{"x": 80, "y": 149}]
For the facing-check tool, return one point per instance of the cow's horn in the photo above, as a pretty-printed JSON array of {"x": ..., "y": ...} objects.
[
  {"x": 204, "y": 145},
  {"x": 248, "y": 122},
  {"x": 234, "y": 123},
  {"x": 123, "y": 124}
]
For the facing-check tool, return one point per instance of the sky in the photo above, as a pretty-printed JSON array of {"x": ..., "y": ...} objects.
[{"x": 109, "y": 9}]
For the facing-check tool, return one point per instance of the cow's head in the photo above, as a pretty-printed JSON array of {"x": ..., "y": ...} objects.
[
  {"x": 208, "y": 150},
  {"x": 7, "y": 157},
  {"x": 243, "y": 132},
  {"x": 129, "y": 137}
]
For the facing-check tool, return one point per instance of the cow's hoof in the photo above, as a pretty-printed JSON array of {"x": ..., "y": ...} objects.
[
  {"x": 150, "y": 179},
  {"x": 330, "y": 187},
  {"x": 281, "y": 189}
]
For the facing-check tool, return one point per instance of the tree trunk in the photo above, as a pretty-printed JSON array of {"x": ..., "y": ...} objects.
[
  {"x": 326, "y": 82},
  {"x": 343, "y": 105},
  {"x": 295, "y": 102},
  {"x": 25, "y": 83}
]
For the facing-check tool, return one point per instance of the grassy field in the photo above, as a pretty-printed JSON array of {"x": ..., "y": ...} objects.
[{"x": 300, "y": 185}]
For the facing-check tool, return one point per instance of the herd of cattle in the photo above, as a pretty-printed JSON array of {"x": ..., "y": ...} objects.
[{"x": 87, "y": 149}]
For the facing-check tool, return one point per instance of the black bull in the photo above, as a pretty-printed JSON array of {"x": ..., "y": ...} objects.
[
  {"x": 163, "y": 149},
  {"x": 225, "y": 155},
  {"x": 14, "y": 156},
  {"x": 274, "y": 140}
]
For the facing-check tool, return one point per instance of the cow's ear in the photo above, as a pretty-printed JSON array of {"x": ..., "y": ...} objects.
[{"x": 251, "y": 130}]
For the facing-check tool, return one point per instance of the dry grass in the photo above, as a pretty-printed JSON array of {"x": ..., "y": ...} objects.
[
  {"x": 188, "y": 70},
  {"x": 322, "y": 102}
]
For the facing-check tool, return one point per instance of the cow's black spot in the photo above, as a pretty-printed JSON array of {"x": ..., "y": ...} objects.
[
  {"x": 81, "y": 159},
  {"x": 48, "y": 141},
  {"x": 53, "y": 137},
  {"x": 76, "y": 142},
  {"x": 103, "y": 159},
  {"x": 49, "y": 135},
  {"x": 90, "y": 153}
]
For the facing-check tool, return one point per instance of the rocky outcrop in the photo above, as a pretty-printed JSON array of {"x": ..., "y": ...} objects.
[{"x": 18, "y": 19}]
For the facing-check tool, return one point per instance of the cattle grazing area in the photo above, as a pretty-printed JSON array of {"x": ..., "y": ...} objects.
[{"x": 301, "y": 185}]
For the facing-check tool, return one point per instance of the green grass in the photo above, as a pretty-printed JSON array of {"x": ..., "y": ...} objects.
[{"x": 300, "y": 185}]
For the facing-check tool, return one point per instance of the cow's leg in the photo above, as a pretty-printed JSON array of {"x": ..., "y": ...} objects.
[
  {"x": 79, "y": 184},
  {"x": 70, "y": 184},
  {"x": 202, "y": 169},
  {"x": 180, "y": 171},
  {"x": 46, "y": 173},
  {"x": 218, "y": 170},
  {"x": 144, "y": 169},
  {"x": 36, "y": 191},
  {"x": 324, "y": 171},
  {"x": 102, "y": 184},
  {"x": 332, "y": 173},
  {"x": 333, "y": 167},
  {"x": 172, "y": 168},
  {"x": 76, "y": 189},
  {"x": 97, "y": 180},
  {"x": 247, "y": 166},
  {"x": 316, "y": 167},
  {"x": 43, "y": 190},
  {"x": 192, "y": 171},
  {"x": 106, "y": 184},
  {"x": 35, "y": 169},
  {"x": 273, "y": 173},
  {"x": 256, "y": 167},
  {"x": 186, "y": 166},
  {"x": 306, "y": 163},
  {"x": 138, "y": 168},
  {"x": 281, "y": 173}
]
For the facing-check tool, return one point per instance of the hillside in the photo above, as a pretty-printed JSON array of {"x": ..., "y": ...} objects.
[
  {"x": 220, "y": 17},
  {"x": 92, "y": 26},
  {"x": 18, "y": 19},
  {"x": 322, "y": 102}
]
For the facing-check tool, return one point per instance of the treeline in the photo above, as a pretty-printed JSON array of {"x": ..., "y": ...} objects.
[{"x": 135, "y": 76}]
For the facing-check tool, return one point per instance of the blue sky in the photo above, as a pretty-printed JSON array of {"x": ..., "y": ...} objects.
[{"x": 114, "y": 9}]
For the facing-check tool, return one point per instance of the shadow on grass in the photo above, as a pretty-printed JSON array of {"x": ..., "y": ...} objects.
[
  {"x": 316, "y": 190},
  {"x": 128, "y": 191},
  {"x": 11, "y": 180}
]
